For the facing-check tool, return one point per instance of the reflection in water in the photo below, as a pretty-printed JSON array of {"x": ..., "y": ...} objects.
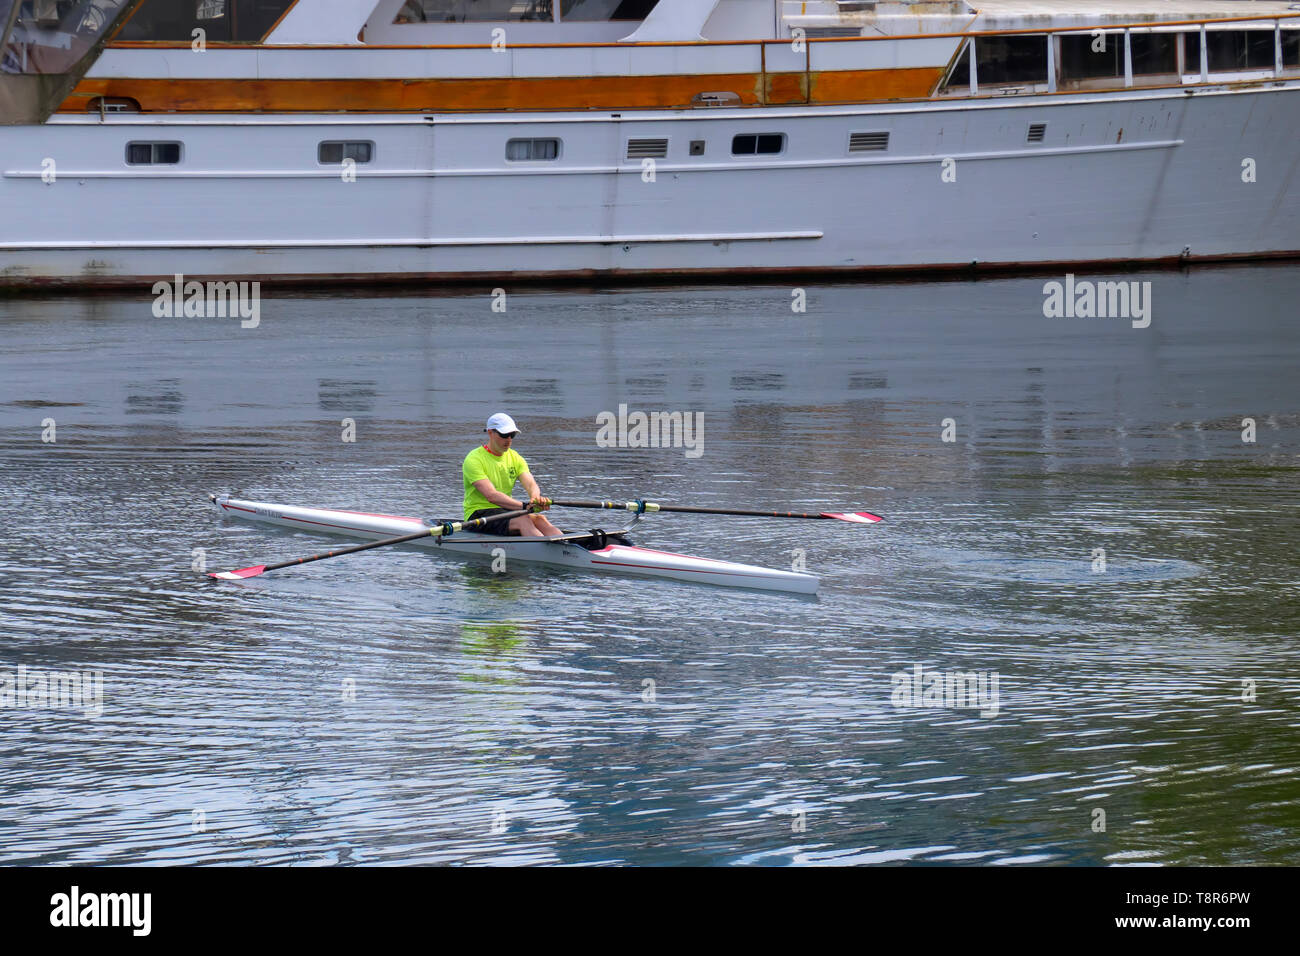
[
  {"x": 160, "y": 398},
  {"x": 1096, "y": 531},
  {"x": 496, "y": 643},
  {"x": 335, "y": 395}
]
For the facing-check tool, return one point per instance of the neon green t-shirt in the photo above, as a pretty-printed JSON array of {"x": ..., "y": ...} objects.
[{"x": 502, "y": 471}]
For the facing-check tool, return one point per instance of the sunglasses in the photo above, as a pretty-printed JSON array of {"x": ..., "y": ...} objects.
[{"x": 506, "y": 434}]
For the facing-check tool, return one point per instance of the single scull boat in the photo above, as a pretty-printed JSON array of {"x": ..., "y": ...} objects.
[{"x": 608, "y": 552}]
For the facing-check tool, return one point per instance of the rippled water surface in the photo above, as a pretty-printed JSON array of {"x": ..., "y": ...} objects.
[{"x": 1097, "y": 537}]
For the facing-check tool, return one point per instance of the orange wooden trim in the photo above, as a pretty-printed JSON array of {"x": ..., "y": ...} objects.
[
  {"x": 846, "y": 86},
  {"x": 501, "y": 94},
  {"x": 786, "y": 88},
  {"x": 785, "y": 41}
]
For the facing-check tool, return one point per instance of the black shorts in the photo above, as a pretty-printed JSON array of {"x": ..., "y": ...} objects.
[{"x": 493, "y": 527}]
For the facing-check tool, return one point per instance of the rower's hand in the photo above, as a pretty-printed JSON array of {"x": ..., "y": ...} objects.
[{"x": 539, "y": 503}]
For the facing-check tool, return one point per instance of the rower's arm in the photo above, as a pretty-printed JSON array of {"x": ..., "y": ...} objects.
[
  {"x": 530, "y": 484},
  {"x": 485, "y": 488}
]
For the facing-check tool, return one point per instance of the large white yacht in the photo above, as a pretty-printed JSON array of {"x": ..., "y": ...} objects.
[{"x": 353, "y": 140}]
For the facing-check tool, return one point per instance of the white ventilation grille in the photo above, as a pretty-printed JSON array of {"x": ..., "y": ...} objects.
[
  {"x": 868, "y": 142},
  {"x": 647, "y": 148},
  {"x": 1036, "y": 132}
]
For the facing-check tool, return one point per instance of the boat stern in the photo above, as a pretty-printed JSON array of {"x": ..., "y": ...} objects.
[{"x": 638, "y": 560}]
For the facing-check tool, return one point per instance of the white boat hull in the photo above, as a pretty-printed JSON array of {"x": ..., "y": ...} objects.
[
  {"x": 1133, "y": 176},
  {"x": 611, "y": 559}
]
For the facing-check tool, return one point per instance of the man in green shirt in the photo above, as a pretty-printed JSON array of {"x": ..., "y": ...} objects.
[{"x": 490, "y": 472}]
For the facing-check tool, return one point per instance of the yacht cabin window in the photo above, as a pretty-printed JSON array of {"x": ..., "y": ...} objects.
[
  {"x": 1003, "y": 61},
  {"x": 1088, "y": 56},
  {"x": 1011, "y": 60},
  {"x": 463, "y": 11},
  {"x": 333, "y": 153},
  {"x": 1092, "y": 56},
  {"x": 222, "y": 21},
  {"x": 606, "y": 9},
  {"x": 1230, "y": 51},
  {"x": 751, "y": 144},
  {"x": 153, "y": 154},
  {"x": 1153, "y": 54},
  {"x": 468, "y": 11},
  {"x": 526, "y": 150}
]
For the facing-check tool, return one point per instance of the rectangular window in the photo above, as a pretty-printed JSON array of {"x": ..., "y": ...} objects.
[
  {"x": 1083, "y": 58},
  {"x": 1230, "y": 51},
  {"x": 225, "y": 21},
  {"x": 1235, "y": 50},
  {"x": 752, "y": 144},
  {"x": 1191, "y": 53},
  {"x": 606, "y": 9},
  {"x": 525, "y": 150},
  {"x": 463, "y": 11},
  {"x": 153, "y": 154},
  {"x": 1000, "y": 61},
  {"x": 1290, "y": 47},
  {"x": 332, "y": 153},
  {"x": 1154, "y": 53},
  {"x": 1088, "y": 57}
]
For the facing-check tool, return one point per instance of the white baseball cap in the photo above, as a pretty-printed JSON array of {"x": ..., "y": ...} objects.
[{"x": 503, "y": 423}]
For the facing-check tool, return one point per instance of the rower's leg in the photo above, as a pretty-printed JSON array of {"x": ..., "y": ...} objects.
[
  {"x": 544, "y": 526},
  {"x": 525, "y": 527}
]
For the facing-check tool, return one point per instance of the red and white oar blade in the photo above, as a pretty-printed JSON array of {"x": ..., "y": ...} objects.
[
  {"x": 857, "y": 517},
  {"x": 238, "y": 575}
]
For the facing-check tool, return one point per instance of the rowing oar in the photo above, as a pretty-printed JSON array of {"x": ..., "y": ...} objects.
[
  {"x": 447, "y": 528},
  {"x": 858, "y": 517}
]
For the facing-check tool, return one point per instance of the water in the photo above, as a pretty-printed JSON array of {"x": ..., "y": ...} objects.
[{"x": 397, "y": 706}]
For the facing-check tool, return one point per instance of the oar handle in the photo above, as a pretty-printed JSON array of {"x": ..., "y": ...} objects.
[{"x": 451, "y": 527}]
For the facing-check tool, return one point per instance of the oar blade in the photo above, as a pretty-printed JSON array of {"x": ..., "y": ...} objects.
[
  {"x": 857, "y": 517},
  {"x": 240, "y": 574}
]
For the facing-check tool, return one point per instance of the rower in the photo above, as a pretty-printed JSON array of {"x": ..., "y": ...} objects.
[{"x": 490, "y": 472}]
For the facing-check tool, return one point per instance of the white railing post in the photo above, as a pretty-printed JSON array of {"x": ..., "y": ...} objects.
[
  {"x": 1051, "y": 63},
  {"x": 974, "y": 80},
  {"x": 1277, "y": 47},
  {"x": 1128, "y": 57},
  {"x": 1205, "y": 57}
]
